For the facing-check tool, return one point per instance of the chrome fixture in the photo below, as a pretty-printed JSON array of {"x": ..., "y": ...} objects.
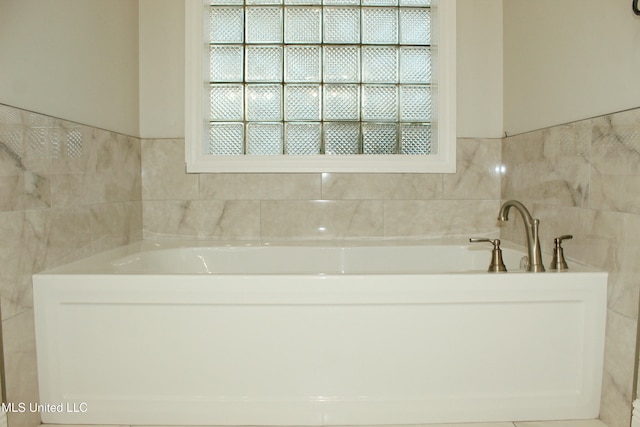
[
  {"x": 531, "y": 230},
  {"x": 496, "y": 265},
  {"x": 558, "y": 262}
]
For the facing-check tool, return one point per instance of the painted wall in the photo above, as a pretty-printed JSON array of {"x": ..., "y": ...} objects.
[
  {"x": 72, "y": 59},
  {"x": 568, "y": 60}
]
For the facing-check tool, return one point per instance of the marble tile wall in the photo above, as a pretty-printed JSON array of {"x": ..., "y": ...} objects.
[
  {"x": 319, "y": 206},
  {"x": 66, "y": 191},
  {"x": 583, "y": 179}
]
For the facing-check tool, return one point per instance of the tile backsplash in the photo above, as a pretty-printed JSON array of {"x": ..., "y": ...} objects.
[
  {"x": 68, "y": 191},
  {"x": 323, "y": 205}
]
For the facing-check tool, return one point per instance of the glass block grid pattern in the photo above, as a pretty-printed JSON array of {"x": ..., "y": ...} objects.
[{"x": 312, "y": 77}]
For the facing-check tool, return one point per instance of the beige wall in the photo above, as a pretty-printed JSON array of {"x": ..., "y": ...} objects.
[
  {"x": 73, "y": 59},
  {"x": 162, "y": 68},
  {"x": 568, "y": 60}
]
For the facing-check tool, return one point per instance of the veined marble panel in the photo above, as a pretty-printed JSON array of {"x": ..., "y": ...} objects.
[
  {"x": 441, "y": 218},
  {"x": 206, "y": 219},
  {"x": 260, "y": 186},
  {"x": 479, "y": 171},
  {"x": 322, "y": 219},
  {"x": 371, "y": 186}
]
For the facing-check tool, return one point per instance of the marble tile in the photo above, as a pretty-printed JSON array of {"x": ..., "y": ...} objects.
[
  {"x": 440, "y": 218},
  {"x": 206, "y": 219},
  {"x": 550, "y": 165},
  {"x": 20, "y": 366},
  {"x": 115, "y": 224},
  {"x": 322, "y": 219},
  {"x": 23, "y": 184},
  {"x": 69, "y": 151},
  {"x": 163, "y": 171},
  {"x": 116, "y": 173},
  {"x": 620, "y": 346},
  {"x": 615, "y": 150},
  {"x": 69, "y": 235},
  {"x": 260, "y": 186},
  {"x": 478, "y": 172},
  {"x": 371, "y": 186},
  {"x": 22, "y": 252}
]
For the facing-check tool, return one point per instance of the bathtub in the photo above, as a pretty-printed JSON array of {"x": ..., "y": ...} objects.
[{"x": 349, "y": 333}]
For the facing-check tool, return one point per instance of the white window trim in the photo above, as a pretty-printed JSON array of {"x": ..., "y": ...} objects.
[{"x": 444, "y": 35}]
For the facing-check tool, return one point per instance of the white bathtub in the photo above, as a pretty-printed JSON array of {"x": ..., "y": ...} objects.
[{"x": 390, "y": 333}]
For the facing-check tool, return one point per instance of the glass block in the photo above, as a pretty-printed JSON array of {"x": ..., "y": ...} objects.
[
  {"x": 380, "y": 64},
  {"x": 264, "y": 102},
  {"x": 415, "y": 139},
  {"x": 226, "y": 102},
  {"x": 415, "y": 103},
  {"x": 264, "y": 24},
  {"x": 264, "y": 139},
  {"x": 226, "y": 25},
  {"x": 252, "y": 2},
  {"x": 303, "y": 2},
  {"x": 379, "y": 2},
  {"x": 226, "y": 2},
  {"x": 415, "y": 26},
  {"x": 264, "y": 64},
  {"x": 303, "y": 25},
  {"x": 303, "y": 139},
  {"x": 225, "y": 63},
  {"x": 341, "y": 64},
  {"x": 341, "y": 138},
  {"x": 226, "y": 139},
  {"x": 302, "y": 64},
  {"x": 379, "y": 102},
  {"x": 341, "y": 102},
  {"x": 341, "y": 25},
  {"x": 341, "y": 2},
  {"x": 415, "y": 65},
  {"x": 424, "y": 3},
  {"x": 379, "y": 138},
  {"x": 379, "y": 25},
  {"x": 302, "y": 102}
]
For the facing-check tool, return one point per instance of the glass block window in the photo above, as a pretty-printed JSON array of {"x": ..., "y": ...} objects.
[
  {"x": 318, "y": 80},
  {"x": 358, "y": 70}
]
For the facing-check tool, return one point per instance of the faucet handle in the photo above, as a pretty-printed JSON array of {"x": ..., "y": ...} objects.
[
  {"x": 558, "y": 240},
  {"x": 558, "y": 262},
  {"x": 496, "y": 265},
  {"x": 494, "y": 242}
]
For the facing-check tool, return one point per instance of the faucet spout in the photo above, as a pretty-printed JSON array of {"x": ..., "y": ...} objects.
[{"x": 531, "y": 227}]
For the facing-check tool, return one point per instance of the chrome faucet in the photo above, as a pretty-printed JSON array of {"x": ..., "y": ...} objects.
[{"x": 531, "y": 230}]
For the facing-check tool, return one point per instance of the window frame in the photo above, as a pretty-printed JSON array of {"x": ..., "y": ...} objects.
[{"x": 444, "y": 124}]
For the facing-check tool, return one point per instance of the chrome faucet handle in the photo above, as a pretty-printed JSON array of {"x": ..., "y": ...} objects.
[
  {"x": 558, "y": 262},
  {"x": 496, "y": 265}
]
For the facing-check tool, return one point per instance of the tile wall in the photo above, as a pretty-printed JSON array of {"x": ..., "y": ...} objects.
[
  {"x": 583, "y": 179},
  {"x": 320, "y": 206},
  {"x": 66, "y": 191}
]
